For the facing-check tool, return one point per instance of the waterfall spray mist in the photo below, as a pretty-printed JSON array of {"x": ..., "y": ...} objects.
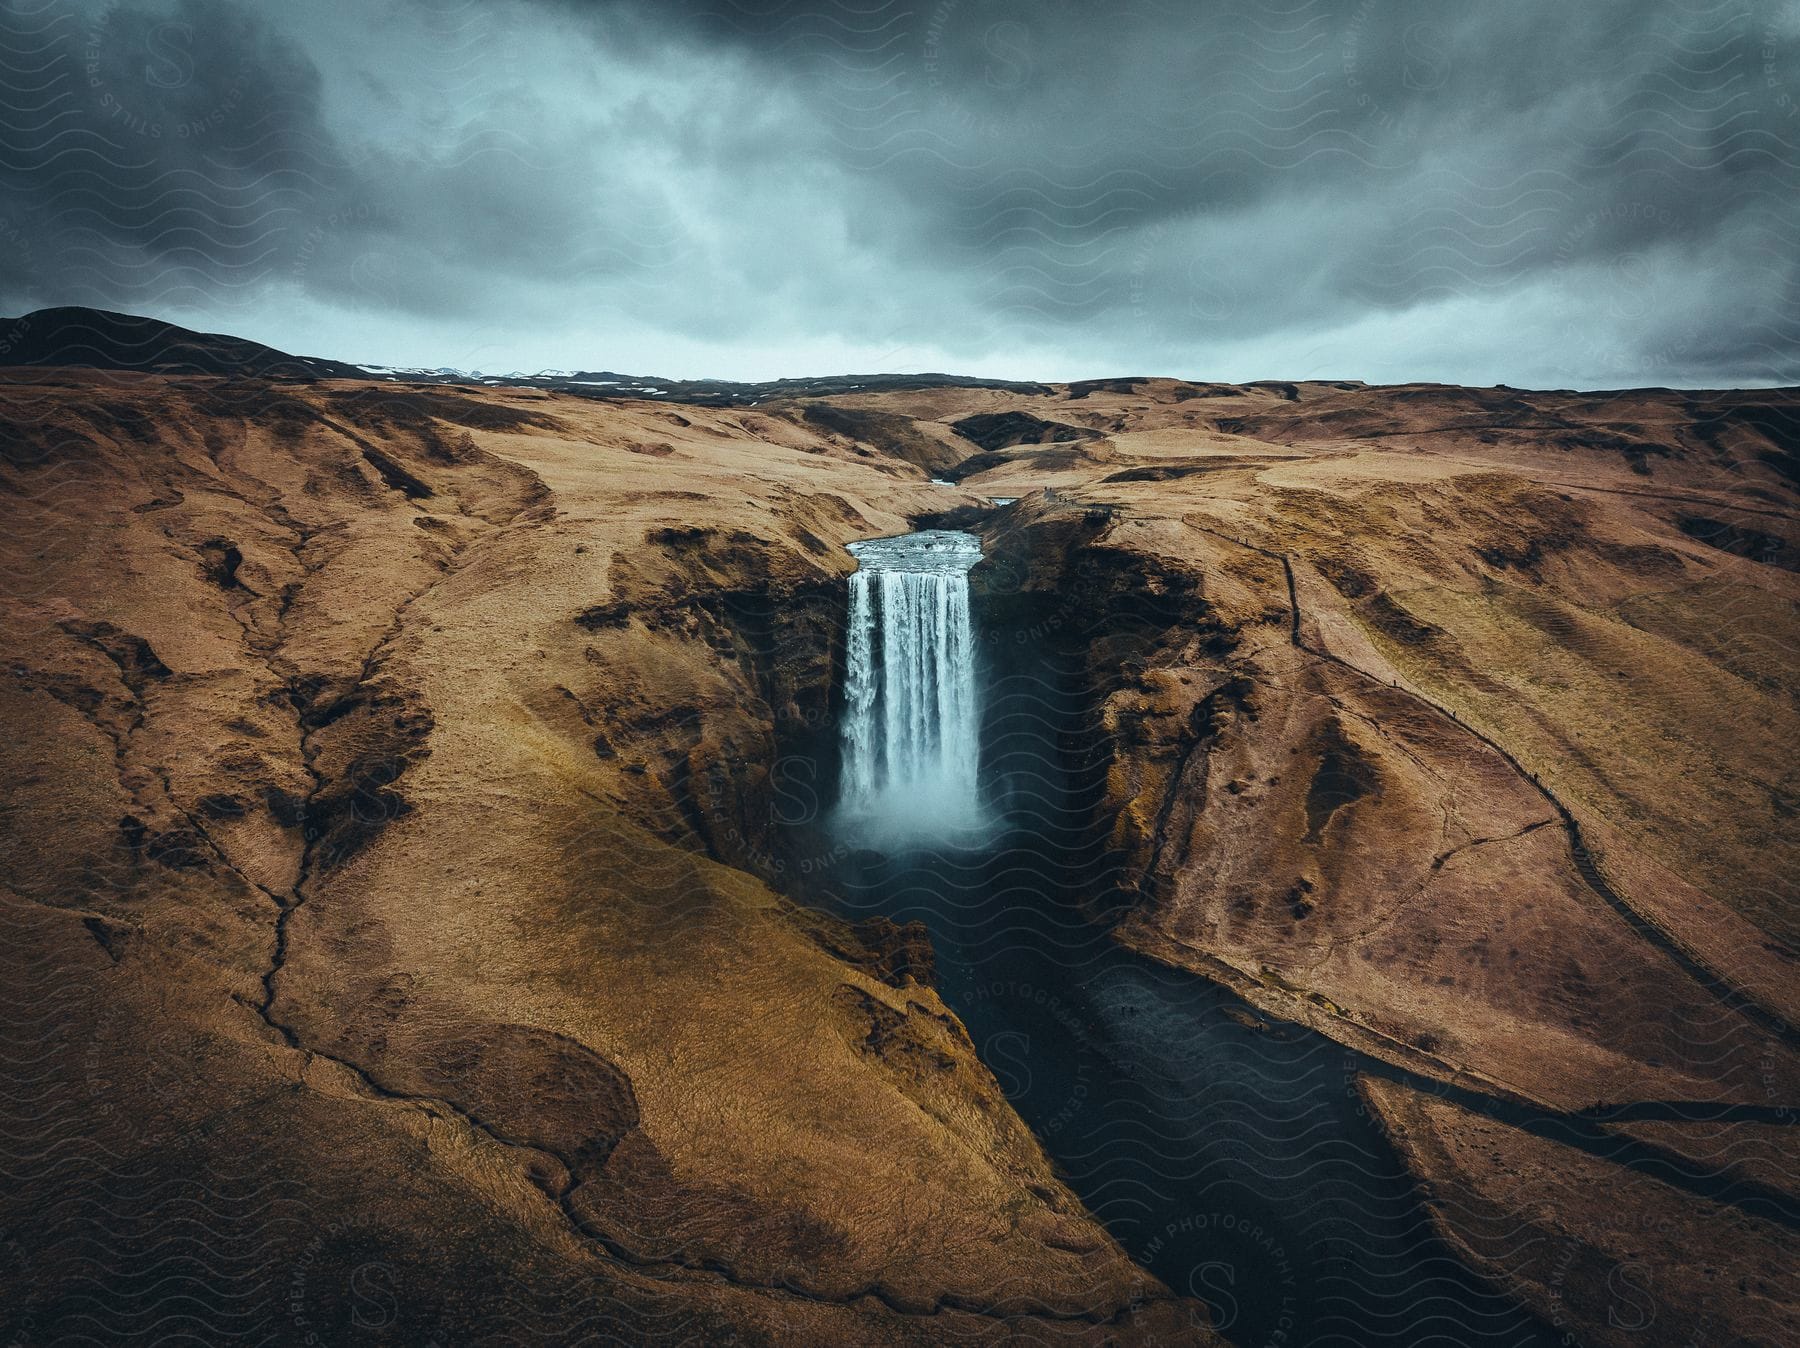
[{"x": 912, "y": 716}]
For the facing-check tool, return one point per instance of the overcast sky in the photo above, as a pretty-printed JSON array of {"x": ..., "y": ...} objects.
[{"x": 1537, "y": 192}]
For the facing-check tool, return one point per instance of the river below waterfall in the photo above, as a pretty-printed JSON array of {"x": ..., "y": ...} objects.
[{"x": 1228, "y": 1153}]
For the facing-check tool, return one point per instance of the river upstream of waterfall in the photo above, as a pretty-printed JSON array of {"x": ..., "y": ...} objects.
[{"x": 1228, "y": 1153}]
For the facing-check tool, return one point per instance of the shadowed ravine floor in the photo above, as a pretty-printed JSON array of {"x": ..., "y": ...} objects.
[{"x": 1230, "y": 1154}]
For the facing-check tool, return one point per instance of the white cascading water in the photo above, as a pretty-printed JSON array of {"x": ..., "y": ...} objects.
[{"x": 911, "y": 741}]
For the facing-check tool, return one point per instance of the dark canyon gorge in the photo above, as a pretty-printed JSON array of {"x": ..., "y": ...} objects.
[{"x": 428, "y": 917}]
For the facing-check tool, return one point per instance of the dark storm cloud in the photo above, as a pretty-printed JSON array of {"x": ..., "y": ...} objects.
[
  {"x": 1288, "y": 167},
  {"x": 153, "y": 155},
  {"x": 1535, "y": 192}
]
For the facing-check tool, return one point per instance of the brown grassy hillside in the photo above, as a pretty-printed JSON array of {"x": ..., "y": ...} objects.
[{"x": 393, "y": 891}]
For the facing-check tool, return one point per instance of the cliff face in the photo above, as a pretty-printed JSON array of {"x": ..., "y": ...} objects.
[
  {"x": 405, "y": 791},
  {"x": 1446, "y": 730}
]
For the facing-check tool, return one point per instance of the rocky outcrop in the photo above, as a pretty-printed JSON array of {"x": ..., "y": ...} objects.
[
  {"x": 1002, "y": 430},
  {"x": 900, "y": 436}
]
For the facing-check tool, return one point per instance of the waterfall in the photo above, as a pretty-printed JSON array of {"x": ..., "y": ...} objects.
[{"x": 912, "y": 720}]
